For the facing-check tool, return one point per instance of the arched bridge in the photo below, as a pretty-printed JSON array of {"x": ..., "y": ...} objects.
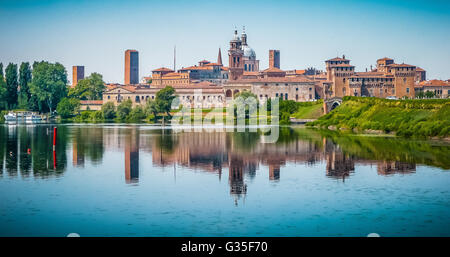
[{"x": 331, "y": 103}]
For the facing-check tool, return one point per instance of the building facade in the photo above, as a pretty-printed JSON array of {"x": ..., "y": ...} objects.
[
  {"x": 440, "y": 88},
  {"x": 387, "y": 80}
]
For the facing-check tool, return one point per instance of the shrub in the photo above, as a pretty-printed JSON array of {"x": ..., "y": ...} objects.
[
  {"x": 123, "y": 110},
  {"x": 109, "y": 110},
  {"x": 68, "y": 107}
]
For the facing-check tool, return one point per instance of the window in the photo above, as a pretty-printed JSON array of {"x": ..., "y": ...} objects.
[
  {"x": 296, "y": 97},
  {"x": 296, "y": 89},
  {"x": 286, "y": 96},
  {"x": 310, "y": 89},
  {"x": 109, "y": 97},
  {"x": 276, "y": 94},
  {"x": 407, "y": 90}
]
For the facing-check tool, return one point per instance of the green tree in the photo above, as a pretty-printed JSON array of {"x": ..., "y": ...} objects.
[
  {"x": 1, "y": 70},
  {"x": 164, "y": 99},
  {"x": 68, "y": 107},
  {"x": 137, "y": 114},
  {"x": 420, "y": 95},
  {"x": 49, "y": 83},
  {"x": 11, "y": 85},
  {"x": 151, "y": 109},
  {"x": 109, "y": 110},
  {"x": 90, "y": 88},
  {"x": 124, "y": 109},
  {"x": 241, "y": 99},
  {"x": 429, "y": 94},
  {"x": 24, "y": 81},
  {"x": 3, "y": 103}
]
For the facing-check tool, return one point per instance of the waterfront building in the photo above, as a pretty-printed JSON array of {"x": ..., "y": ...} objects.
[
  {"x": 77, "y": 74},
  {"x": 269, "y": 83},
  {"x": 131, "y": 67},
  {"x": 211, "y": 94},
  {"x": 387, "y": 79},
  {"x": 440, "y": 88},
  {"x": 187, "y": 76}
]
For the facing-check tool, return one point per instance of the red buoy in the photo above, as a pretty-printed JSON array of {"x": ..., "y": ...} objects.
[{"x": 54, "y": 138}]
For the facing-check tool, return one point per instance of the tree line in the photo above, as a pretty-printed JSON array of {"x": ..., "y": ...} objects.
[{"x": 42, "y": 86}]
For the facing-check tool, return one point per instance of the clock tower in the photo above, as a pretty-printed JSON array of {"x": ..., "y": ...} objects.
[{"x": 235, "y": 54}]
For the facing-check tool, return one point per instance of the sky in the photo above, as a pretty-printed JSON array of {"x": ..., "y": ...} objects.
[{"x": 96, "y": 34}]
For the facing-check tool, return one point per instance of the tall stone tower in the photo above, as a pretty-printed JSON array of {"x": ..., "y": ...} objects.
[
  {"x": 235, "y": 54},
  {"x": 131, "y": 67},
  {"x": 274, "y": 59},
  {"x": 77, "y": 74},
  {"x": 338, "y": 71}
]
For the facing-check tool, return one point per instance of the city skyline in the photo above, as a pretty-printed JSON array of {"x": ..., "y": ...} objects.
[{"x": 96, "y": 35}]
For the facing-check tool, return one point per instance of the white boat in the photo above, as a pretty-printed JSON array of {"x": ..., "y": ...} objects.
[
  {"x": 10, "y": 117},
  {"x": 32, "y": 118}
]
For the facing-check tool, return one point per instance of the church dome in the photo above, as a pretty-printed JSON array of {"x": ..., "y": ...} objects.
[{"x": 248, "y": 51}]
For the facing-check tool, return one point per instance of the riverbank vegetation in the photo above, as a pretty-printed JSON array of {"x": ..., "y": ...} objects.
[
  {"x": 409, "y": 118},
  {"x": 38, "y": 88}
]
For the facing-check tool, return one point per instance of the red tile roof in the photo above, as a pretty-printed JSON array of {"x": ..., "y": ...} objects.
[
  {"x": 91, "y": 102},
  {"x": 272, "y": 79},
  {"x": 401, "y": 65},
  {"x": 163, "y": 69},
  {"x": 337, "y": 59},
  {"x": 434, "y": 83},
  {"x": 385, "y": 59},
  {"x": 419, "y": 69},
  {"x": 273, "y": 70}
]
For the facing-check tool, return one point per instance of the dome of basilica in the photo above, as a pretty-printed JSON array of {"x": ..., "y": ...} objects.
[{"x": 248, "y": 51}]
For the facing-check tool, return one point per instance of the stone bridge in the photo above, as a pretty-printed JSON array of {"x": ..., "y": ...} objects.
[{"x": 331, "y": 103}]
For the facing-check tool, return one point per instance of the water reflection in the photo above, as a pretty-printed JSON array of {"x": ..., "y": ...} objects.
[{"x": 27, "y": 151}]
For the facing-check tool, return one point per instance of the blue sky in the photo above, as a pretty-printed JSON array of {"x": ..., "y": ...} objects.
[{"x": 96, "y": 33}]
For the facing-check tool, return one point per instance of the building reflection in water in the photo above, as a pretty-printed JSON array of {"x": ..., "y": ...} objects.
[
  {"x": 26, "y": 150},
  {"x": 236, "y": 178},
  {"x": 132, "y": 156},
  {"x": 395, "y": 167}
]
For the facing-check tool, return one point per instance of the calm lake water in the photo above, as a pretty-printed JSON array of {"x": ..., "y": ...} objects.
[{"x": 126, "y": 180}]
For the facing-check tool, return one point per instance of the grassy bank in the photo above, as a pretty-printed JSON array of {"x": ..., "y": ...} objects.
[
  {"x": 409, "y": 118},
  {"x": 313, "y": 111}
]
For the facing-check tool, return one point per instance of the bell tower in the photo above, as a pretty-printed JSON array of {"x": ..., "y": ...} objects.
[{"x": 235, "y": 60}]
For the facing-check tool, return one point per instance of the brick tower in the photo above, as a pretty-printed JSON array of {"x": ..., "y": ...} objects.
[
  {"x": 77, "y": 74},
  {"x": 235, "y": 54},
  {"x": 131, "y": 67},
  {"x": 274, "y": 59}
]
